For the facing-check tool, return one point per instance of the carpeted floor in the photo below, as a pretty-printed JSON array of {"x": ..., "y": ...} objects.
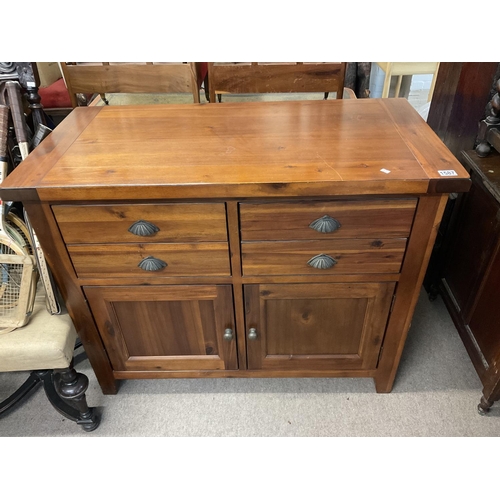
[{"x": 436, "y": 394}]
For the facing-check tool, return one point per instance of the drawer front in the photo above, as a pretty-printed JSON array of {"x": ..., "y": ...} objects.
[
  {"x": 195, "y": 259},
  {"x": 323, "y": 258},
  {"x": 80, "y": 224},
  {"x": 326, "y": 220}
]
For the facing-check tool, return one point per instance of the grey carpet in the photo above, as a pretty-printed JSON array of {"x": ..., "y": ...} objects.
[{"x": 436, "y": 394}]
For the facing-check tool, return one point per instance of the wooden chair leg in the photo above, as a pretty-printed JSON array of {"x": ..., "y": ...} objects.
[{"x": 70, "y": 387}]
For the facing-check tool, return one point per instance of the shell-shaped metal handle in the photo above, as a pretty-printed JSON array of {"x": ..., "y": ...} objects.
[
  {"x": 325, "y": 224},
  {"x": 143, "y": 228},
  {"x": 321, "y": 261},
  {"x": 252, "y": 334},
  {"x": 228, "y": 334},
  {"x": 152, "y": 264}
]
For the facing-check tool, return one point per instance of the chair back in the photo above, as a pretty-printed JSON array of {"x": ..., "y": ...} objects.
[
  {"x": 114, "y": 78},
  {"x": 258, "y": 78}
]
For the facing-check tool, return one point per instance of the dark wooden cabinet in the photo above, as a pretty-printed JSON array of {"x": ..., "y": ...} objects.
[{"x": 470, "y": 281}]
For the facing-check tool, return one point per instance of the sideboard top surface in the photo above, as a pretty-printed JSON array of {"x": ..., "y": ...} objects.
[{"x": 257, "y": 149}]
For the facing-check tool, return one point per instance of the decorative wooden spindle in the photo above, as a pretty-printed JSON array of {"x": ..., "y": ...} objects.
[{"x": 489, "y": 128}]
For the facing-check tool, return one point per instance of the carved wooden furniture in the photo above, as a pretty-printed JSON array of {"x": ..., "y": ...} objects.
[
  {"x": 104, "y": 78},
  {"x": 26, "y": 74},
  {"x": 260, "y": 78},
  {"x": 45, "y": 348},
  {"x": 259, "y": 239},
  {"x": 401, "y": 69},
  {"x": 470, "y": 280},
  {"x": 489, "y": 129}
]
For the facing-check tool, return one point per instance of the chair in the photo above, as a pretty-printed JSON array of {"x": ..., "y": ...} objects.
[
  {"x": 258, "y": 78},
  {"x": 45, "y": 347},
  {"x": 112, "y": 78}
]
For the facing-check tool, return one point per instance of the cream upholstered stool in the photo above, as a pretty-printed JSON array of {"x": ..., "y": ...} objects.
[{"x": 45, "y": 347}]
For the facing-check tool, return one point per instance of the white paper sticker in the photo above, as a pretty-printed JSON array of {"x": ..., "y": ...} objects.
[
  {"x": 447, "y": 173},
  {"x": 385, "y": 171}
]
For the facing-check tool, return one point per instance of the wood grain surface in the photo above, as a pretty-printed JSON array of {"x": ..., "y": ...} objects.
[{"x": 274, "y": 149}]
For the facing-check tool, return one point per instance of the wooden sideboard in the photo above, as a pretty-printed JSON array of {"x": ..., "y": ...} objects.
[{"x": 276, "y": 239}]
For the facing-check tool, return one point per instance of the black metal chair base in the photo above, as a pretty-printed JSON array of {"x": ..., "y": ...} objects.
[{"x": 65, "y": 389}]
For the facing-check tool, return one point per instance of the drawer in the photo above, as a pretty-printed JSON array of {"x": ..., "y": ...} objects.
[
  {"x": 190, "y": 259},
  {"x": 357, "y": 219},
  {"x": 349, "y": 257},
  {"x": 180, "y": 222}
]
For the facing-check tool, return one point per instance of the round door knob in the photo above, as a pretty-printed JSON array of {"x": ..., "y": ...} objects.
[
  {"x": 252, "y": 334},
  {"x": 228, "y": 334}
]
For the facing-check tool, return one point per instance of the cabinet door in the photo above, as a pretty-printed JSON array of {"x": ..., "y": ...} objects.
[
  {"x": 165, "y": 327},
  {"x": 316, "y": 326}
]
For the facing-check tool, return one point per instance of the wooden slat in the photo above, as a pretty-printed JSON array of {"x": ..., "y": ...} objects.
[
  {"x": 358, "y": 219},
  {"x": 182, "y": 222},
  {"x": 359, "y": 256},
  {"x": 197, "y": 259}
]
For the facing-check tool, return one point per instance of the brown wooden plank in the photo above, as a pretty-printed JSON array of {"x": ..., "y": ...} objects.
[
  {"x": 111, "y": 223},
  {"x": 159, "y": 374},
  {"x": 266, "y": 78},
  {"x": 358, "y": 219},
  {"x": 130, "y": 78},
  {"x": 195, "y": 259},
  {"x": 46, "y": 155},
  {"x": 431, "y": 153},
  {"x": 352, "y": 257},
  {"x": 429, "y": 213}
]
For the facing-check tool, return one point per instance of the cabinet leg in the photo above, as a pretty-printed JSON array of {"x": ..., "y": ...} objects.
[
  {"x": 383, "y": 385},
  {"x": 484, "y": 406}
]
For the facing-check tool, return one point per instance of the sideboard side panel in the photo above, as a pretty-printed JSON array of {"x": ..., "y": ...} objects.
[{"x": 430, "y": 208}]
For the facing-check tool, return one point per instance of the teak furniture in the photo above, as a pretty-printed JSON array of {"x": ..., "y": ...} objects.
[{"x": 275, "y": 239}]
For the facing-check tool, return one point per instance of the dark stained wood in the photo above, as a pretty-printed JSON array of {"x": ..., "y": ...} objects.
[
  {"x": 165, "y": 328},
  {"x": 470, "y": 281},
  {"x": 111, "y": 223},
  {"x": 327, "y": 326},
  {"x": 358, "y": 219},
  {"x": 352, "y": 256},
  {"x": 459, "y": 102},
  {"x": 472, "y": 247},
  {"x": 190, "y": 259},
  {"x": 258, "y": 78}
]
